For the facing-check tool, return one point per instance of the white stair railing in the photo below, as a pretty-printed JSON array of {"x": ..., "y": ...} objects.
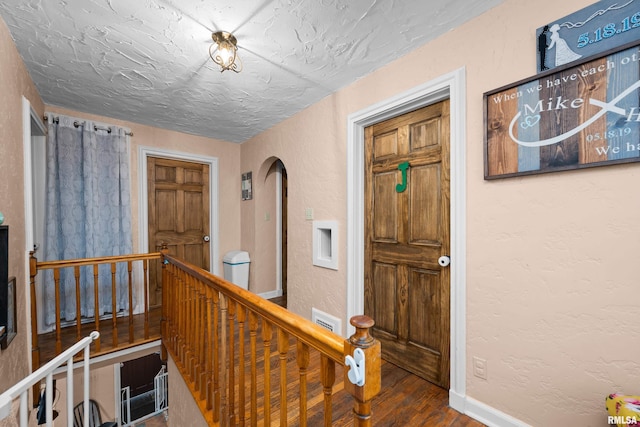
[
  {"x": 125, "y": 406},
  {"x": 161, "y": 401},
  {"x": 161, "y": 389},
  {"x": 21, "y": 389}
]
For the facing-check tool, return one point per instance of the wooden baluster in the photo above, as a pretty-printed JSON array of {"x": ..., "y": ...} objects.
[
  {"x": 197, "y": 331},
  {"x": 177, "y": 303},
  {"x": 327, "y": 378},
  {"x": 96, "y": 305},
  {"x": 216, "y": 357},
  {"x": 114, "y": 313},
  {"x": 195, "y": 346},
  {"x": 241, "y": 315},
  {"x": 253, "y": 332},
  {"x": 130, "y": 294},
  {"x": 203, "y": 337},
  {"x": 209, "y": 347},
  {"x": 175, "y": 309},
  {"x": 168, "y": 313},
  {"x": 56, "y": 281},
  {"x": 76, "y": 274},
  {"x": 35, "y": 349},
  {"x": 283, "y": 349},
  {"x": 166, "y": 307},
  {"x": 302, "y": 356},
  {"x": 195, "y": 326},
  {"x": 199, "y": 337},
  {"x": 371, "y": 348},
  {"x": 183, "y": 312},
  {"x": 189, "y": 319},
  {"x": 188, "y": 327},
  {"x": 165, "y": 300},
  {"x": 224, "y": 408},
  {"x": 232, "y": 366},
  {"x": 267, "y": 333}
]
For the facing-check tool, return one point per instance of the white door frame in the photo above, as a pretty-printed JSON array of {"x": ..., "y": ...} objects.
[
  {"x": 279, "y": 197},
  {"x": 143, "y": 199},
  {"x": 30, "y": 135},
  {"x": 450, "y": 86}
]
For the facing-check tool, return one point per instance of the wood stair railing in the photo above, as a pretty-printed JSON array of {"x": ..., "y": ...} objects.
[
  {"x": 221, "y": 338},
  {"x": 130, "y": 261}
]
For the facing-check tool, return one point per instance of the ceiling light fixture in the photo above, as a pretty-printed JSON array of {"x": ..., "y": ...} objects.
[{"x": 224, "y": 52}]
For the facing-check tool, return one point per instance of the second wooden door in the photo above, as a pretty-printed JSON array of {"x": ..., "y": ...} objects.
[{"x": 179, "y": 199}]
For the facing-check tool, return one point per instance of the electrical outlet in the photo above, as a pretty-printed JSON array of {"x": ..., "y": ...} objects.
[
  {"x": 480, "y": 367},
  {"x": 267, "y": 216},
  {"x": 308, "y": 213}
]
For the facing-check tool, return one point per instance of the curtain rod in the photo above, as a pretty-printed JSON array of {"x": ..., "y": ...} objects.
[{"x": 78, "y": 124}]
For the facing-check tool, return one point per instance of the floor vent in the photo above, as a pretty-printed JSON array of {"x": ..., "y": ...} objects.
[{"x": 326, "y": 321}]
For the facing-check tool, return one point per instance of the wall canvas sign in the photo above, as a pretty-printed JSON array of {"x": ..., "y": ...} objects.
[
  {"x": 603, "y": 26},
  {"x": 574, "y": 117}
]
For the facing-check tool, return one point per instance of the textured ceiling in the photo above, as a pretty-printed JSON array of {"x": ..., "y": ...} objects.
[{"x": 147, "y": 61}]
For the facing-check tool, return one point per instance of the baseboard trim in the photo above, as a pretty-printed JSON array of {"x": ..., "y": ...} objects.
[
  {"x": 457, "y": 401},
  {"x": 482, "y": 412}
]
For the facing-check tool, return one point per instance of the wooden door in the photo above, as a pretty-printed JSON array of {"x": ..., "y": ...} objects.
[
  {"x": 406, "y": 231},
  {"x": 178, "y": 194}
]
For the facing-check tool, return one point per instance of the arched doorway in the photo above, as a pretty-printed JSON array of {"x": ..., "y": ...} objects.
[
  {"x": 282, "y": 226},
  {"x": 271, "y": 231}
]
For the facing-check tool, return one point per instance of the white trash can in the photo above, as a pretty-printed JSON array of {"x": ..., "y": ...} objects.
[{"x": 236, "y": 268}]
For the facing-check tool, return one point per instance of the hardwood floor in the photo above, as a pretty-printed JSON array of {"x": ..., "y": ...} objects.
[
  {"x": 47, "y": 342},
  {"x": 405, "y": 399}
]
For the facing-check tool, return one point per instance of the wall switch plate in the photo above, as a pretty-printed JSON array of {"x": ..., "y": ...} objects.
[
  {"x": 480, "y": 367},
  {"x": 308, "y": 213}
]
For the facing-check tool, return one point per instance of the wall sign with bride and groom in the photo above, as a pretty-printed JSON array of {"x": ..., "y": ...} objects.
[
  {"x": 595, "y": 29},
  {"x": 584, "y": 111}
]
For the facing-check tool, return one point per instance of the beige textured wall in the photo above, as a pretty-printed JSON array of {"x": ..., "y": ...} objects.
[
  {"x": 183, "y": 410},
  {"x": 551, "y": 272},
  {"x": 311, "y": 145},
  {"x": 15, "y": 82},
  {"x": 101, "y": 389},
  {"x": 228, "y": 155}
]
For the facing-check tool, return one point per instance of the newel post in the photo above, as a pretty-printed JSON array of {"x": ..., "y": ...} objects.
[
  {"x": 35, "y": 349},
  {"x": 164, "y": 327},
  {"x": 371, "y": 348}
]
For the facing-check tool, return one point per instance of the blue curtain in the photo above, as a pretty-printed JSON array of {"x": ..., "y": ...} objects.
[{"x": 88, "y": 212}]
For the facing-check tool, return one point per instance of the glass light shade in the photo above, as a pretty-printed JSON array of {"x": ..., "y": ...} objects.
[{"x": 224, "y": 52}]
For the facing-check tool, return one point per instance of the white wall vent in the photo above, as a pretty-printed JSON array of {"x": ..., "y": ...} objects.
[{"x": 326, "y": 321}]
